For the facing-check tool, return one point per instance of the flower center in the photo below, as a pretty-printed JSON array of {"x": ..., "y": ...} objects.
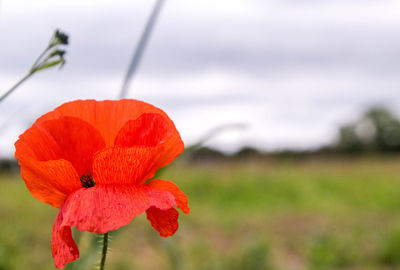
[{"x": 87, "y": 180}]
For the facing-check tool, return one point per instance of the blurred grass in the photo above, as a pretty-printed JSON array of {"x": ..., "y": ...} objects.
[{"x": 315, "y": 214}]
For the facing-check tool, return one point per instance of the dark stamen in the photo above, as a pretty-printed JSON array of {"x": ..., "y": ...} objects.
[{"x": 87, "y": 180}]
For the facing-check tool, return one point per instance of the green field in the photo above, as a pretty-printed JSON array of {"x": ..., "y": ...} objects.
[{"x": 313, "y": 214}]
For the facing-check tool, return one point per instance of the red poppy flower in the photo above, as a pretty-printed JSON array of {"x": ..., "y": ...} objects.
[{"x": 92, "y": 159}]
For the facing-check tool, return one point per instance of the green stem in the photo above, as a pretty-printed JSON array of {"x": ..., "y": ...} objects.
[
  {"x": 104, "y": 251},
  {"x": 15, "y": 86}
]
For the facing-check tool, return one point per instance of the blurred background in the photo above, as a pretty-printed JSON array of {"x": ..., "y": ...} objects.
[{"x": 298, "y": 100}]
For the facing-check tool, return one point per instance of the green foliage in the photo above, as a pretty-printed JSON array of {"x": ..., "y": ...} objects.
[
  {"x": 9, "y": 249},
  {"x": 329, "y": 251},
  {"x": 389, "y": 254},
  {"x": 256, "y": 257}
]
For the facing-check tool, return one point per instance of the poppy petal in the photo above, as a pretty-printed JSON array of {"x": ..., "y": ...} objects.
[
  {"x": 103, "y": 208},
  {"x": 156, "y": 131},
  {"x": 106, "y": 116},
  {"x": 67, "y": 138},
  {"x": 49, "y": 181},
  {"x": 163, "y": 221},
  {"x": 77, "y": 139},
  {"x": 37, "y": 143},
  {"x": 180, "y": 197},
  {"x": 150, "y": 129},
  {"x": 63, "y": 246},
  {"x": 123, "y": 165}
]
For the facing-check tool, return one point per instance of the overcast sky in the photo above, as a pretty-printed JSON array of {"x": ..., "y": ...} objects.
[{"x": 292, "y": 70}]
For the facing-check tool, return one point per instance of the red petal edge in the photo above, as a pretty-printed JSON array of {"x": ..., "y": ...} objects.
[
  {"x": 180, "y": 197},
  {"x": 63, "y": 246}
]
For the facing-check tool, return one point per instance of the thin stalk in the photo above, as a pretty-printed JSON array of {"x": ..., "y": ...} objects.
[
  {"x": 104, "y": 251},
  {"x": 44, "y": 61},
  {"x": 140, "y": 48},
  {"x": 15, "y": 86},
  {"x": 40, "y": 56}
]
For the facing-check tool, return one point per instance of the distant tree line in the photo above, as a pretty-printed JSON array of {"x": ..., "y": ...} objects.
[{"x": 378, "y": 130}]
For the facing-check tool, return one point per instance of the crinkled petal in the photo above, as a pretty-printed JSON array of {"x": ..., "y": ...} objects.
[
  {"x": 63, "y": 246},
  {"x": 163, "y": 221},
  {"x": 123, "y": 165},
  {"x": 49, "y": 181},
  {"x": 67, "y": 138},
  {"x": 180, "y": 197},
  {"x": 107, "y": 116},
  {"x": 103, "y": 208}
]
